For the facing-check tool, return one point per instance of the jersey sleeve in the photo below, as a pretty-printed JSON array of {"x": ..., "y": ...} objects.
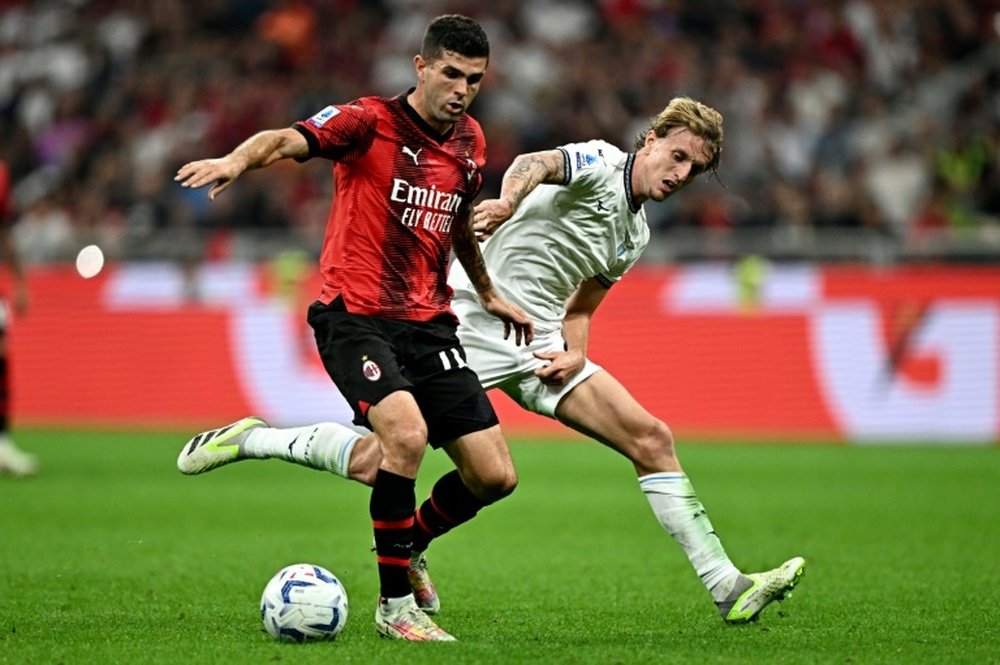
[
  {"x": 612, "y": 276},
  {"x": 585, "y": 162},
  {"x": 340, "y": 133},
  {"x": 628, "y": 256}
]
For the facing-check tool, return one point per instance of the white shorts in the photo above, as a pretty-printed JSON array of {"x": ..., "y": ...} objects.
[{"x": 500, "y": 363}]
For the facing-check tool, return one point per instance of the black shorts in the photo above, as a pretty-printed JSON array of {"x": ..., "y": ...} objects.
[{"x": 369, "y": 357}]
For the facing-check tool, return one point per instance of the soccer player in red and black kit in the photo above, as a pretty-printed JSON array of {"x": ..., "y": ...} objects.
[
  {"x": 13, "y": 461},
  {"x": 406, "y": 171}
]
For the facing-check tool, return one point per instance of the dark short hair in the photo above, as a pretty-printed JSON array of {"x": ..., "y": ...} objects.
[{"x": 454, "y": 32}]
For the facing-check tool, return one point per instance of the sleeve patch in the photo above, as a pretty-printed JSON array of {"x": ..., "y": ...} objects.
[
  {"x": 321, "y": 118},
  {"x": 584, "y": 159}
]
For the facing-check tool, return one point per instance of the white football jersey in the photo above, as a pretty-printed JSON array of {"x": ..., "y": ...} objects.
[{"x": 561, "y": 235}]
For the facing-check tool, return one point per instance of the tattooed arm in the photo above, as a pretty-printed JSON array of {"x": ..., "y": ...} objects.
[
  {"x": 468, "y": 254},
  {"x": 526, "y": 172}
]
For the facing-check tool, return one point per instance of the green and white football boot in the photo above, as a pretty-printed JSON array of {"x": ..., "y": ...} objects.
[
  {"x": 216, "y": 447},
  {"x": 753, "y": 592}
]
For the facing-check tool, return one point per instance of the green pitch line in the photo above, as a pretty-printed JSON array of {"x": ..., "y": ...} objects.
[{"x": 111, "y": 555}]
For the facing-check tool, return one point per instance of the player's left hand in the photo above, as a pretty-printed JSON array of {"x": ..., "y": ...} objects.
[
  {"x": 562, "y": 366},
  {"x": 513, "y": 317}
]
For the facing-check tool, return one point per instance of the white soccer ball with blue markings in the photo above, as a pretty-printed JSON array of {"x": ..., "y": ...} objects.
[{"x": 304, "y": 602}]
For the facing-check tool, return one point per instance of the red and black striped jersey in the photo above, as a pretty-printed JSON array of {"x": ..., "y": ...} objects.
[{"x": 399, "y": 188}]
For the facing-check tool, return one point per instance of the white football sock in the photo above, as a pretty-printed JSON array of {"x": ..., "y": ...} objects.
[
  {"x": 323, "y": 446},
  {"x": 679, "y": 511}
]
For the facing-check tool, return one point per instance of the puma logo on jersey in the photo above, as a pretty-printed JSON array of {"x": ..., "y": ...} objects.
[
  {"x": 407, "y": 151},
  {"x": 600, "y": 206}
]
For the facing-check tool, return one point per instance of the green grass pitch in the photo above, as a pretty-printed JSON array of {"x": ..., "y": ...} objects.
[{"x": 112, "y": 556}]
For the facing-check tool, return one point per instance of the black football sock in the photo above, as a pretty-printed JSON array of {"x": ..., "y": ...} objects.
[
  {"x": 450, "y": 504},
  {"x": 391, "y": 509}
]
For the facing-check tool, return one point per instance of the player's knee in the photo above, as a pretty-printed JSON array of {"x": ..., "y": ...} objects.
[
  {"x": 654, "y": 447},
  {"x": 410, "y": 438},
  {"x": 404, "y": 446},
  {"x": 495, "y": 485},
  {"x": 506, "y": 484}
]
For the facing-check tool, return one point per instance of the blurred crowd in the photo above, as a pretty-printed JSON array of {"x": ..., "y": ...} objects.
[{"x": 881, "y": 115}]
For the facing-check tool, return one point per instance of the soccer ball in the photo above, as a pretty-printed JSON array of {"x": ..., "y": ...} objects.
[{"x": 304, "y": 602}]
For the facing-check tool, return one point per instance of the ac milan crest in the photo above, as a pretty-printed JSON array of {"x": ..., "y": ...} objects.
[{"x": 371, "y": 370}]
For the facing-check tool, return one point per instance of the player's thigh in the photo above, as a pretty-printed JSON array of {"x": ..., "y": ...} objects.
[
  {"x": 454, "y": 405},
  {"x": 359, "y": 354},
  {"x": 402, "y": 432},
  {"x": 469, "y": 432},
  {"x": 397, "y": 420},
  {"x": 484, "y": 462},
  {"x": 602, "y": 408}
]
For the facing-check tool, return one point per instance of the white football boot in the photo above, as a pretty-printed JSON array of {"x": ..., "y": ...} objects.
[{"x": 401, "y": 619}]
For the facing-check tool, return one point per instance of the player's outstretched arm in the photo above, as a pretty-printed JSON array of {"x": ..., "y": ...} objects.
[
  {"x": 468, "y": 254},
  {"x": 526, "y": 172},
  {"x": 261, "y": 149}
]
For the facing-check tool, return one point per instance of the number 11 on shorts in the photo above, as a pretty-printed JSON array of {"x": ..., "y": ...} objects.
[{"x": 451, "y": 359}]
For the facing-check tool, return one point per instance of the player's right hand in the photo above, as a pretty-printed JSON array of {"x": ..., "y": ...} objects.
[
  {"x": 560, "y": 366},
  {"x": 222, "y": 172},
  {"x": 489, "y": 215}
]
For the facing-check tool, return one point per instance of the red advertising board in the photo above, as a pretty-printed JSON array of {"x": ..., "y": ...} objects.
[{"x": 843, "y": 353}]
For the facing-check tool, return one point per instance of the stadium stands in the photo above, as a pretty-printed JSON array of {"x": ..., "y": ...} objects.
[{"x": 861, "y": 130}]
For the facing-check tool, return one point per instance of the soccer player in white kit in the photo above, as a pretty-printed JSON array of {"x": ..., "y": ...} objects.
[{"x": 567, "y": 225}]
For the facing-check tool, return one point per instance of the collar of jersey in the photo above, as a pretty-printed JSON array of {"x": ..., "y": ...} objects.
[
  {"x": 420, "y": 122},
  {"x": 627, "y": 174}
]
